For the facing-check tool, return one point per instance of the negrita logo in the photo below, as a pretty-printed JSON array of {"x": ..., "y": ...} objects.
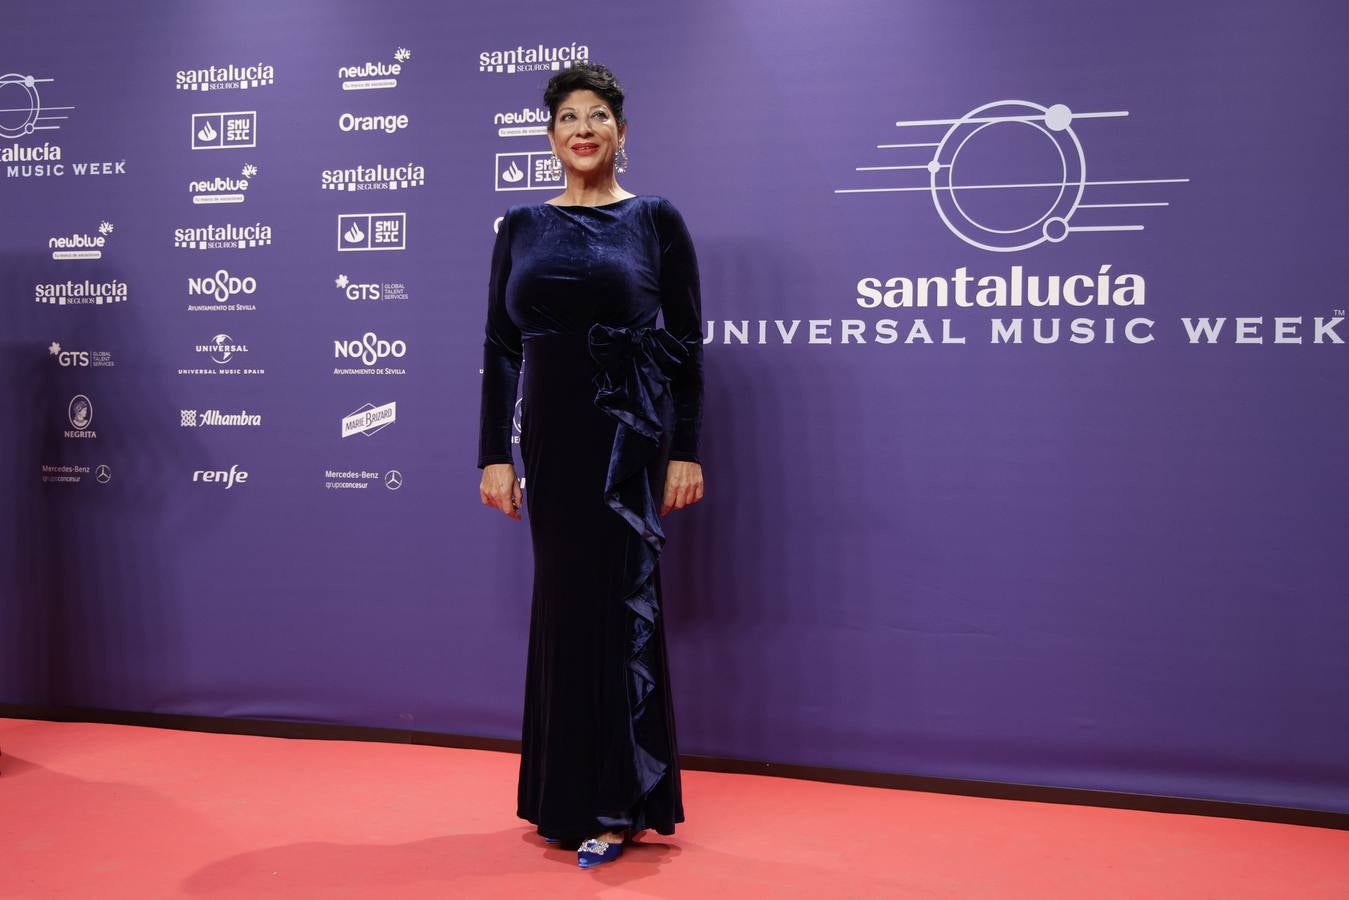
[
  {"x": 373, "y": 76},
  {"x": 226, "y": 78},
  {"x": 224, "y": 130}
]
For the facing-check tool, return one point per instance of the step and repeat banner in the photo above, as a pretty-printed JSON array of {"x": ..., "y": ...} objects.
[{"x": 1025, "y": 334}]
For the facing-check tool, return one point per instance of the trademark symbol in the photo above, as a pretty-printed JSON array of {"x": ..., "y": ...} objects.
[{"x": 1339, "y": 312}]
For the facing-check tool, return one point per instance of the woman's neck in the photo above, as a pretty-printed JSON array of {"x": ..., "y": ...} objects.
[{"x": 598, "y": 192}]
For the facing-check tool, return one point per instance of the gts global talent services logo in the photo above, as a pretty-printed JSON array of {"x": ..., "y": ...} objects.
[
  {"x": 224, "y": 130},
  {"x": 80, "y": 359},
  {"x": 374, "y": 76},
  {"x": 223, "y": 189},
  {"x": 371, "y": 290},
  {"x": 378, "y": 177},
  {"x": 514, "y": 60},
  {"x": 226, "y": 78}
]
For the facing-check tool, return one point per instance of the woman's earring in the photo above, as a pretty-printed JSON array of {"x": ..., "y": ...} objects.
[{"x": 621, "y": 160}]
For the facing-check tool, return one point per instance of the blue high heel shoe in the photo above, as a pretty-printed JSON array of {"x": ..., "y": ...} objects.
[{"x": 596, "y": 852}]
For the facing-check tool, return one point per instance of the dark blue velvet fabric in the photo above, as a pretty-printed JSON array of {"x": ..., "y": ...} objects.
[
  {"x": 560, "y": 269},
  {"x": 609, "y": 398}
]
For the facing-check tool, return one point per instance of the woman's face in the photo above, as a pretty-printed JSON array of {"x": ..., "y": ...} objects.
[{"x": 585, "y": 135}]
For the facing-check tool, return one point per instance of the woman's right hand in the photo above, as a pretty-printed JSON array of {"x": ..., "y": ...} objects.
[{"x": 501, "y": 489}]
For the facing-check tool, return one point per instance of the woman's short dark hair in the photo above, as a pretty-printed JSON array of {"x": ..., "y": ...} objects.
[{"x": 584, "y": 76}]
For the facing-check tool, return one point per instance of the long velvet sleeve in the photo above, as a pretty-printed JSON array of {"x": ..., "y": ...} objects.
[
  {"x": 681, "y": 308},
  {"x": 501, "y": 355}
]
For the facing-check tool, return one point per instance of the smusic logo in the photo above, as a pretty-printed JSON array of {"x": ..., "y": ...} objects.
[
  {"x": 224, "y": 130},
  {"x": 371, "y": 231}
]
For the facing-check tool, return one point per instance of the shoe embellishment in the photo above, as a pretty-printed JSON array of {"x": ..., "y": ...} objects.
[{"x": 594, "y": 845}]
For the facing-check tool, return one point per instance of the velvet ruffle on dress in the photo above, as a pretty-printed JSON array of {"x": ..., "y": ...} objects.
[{"x": 577, "y": 299}]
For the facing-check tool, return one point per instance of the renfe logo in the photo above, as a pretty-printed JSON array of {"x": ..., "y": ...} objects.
[{"x": 229, "y": 478}]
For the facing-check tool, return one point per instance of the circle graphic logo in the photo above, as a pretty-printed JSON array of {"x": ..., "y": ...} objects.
[
  {"x": 20, "y": 106},
  {"x": 103, "y": 474},
  {"x": 393, "y": 479},
  {"x": 1009, "y": 175}
]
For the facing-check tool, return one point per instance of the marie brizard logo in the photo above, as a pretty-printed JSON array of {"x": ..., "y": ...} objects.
[
  {"x": 369, "y": 419},
  {"x": 1011, "y": 175}
]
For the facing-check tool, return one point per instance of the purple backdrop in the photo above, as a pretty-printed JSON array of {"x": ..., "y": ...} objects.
[{"x": 1097, "y": 563}]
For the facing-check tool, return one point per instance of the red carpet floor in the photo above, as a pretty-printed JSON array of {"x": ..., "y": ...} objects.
[{"x": 106, "y": 811}]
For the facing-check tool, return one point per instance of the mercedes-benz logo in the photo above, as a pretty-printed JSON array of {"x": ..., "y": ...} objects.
[
  {"x": 393, "y": 479},
  {"x": 103, "y": 474}
]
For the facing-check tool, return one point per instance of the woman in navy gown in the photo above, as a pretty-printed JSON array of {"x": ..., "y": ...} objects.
[{"x": 610, "y": 416}]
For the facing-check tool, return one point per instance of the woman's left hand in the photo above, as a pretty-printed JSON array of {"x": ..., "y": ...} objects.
[{"x": 683, "y": 485}]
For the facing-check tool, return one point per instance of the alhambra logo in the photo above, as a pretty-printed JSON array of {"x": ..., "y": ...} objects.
[
  {"x": 538, "y": 58},
  {"x": 378, "y": 177},
  {"x": 1012, "y": 174},
  {"x": 223, "y": 189},
  {"x": 226, "y": 78},
  {"x": 374, "y": 76}
]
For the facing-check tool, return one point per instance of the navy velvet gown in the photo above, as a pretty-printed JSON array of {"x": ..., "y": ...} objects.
[{"x": 608, "y": 398}]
